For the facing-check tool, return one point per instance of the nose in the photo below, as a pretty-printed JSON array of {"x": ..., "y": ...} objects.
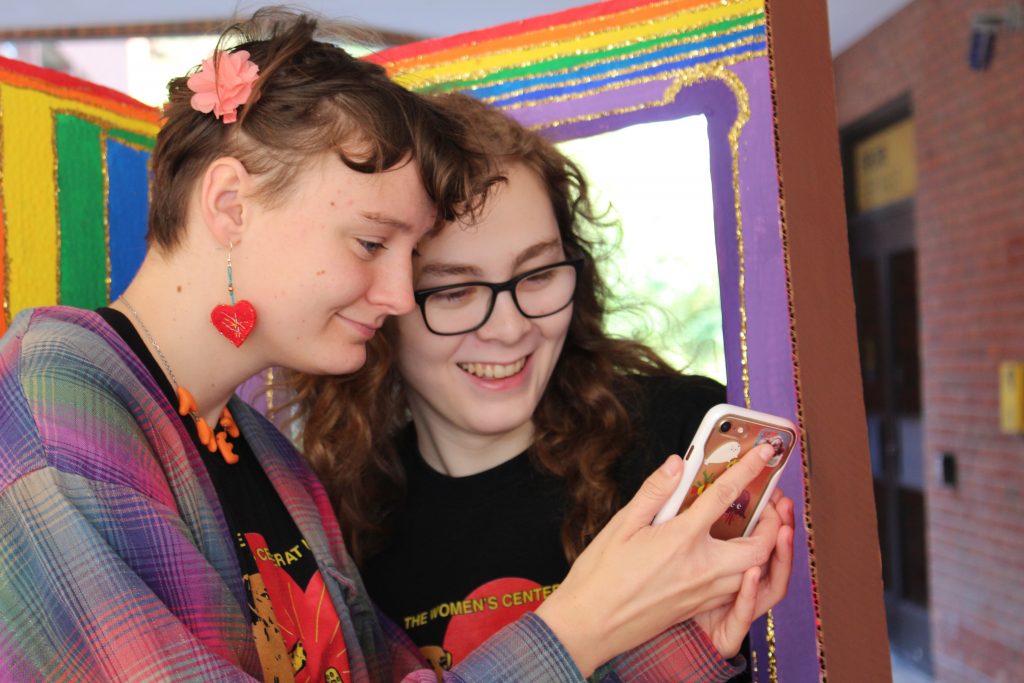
[
  {"x": 506, "y": 323},
  {"x": 391, "y": 288}
]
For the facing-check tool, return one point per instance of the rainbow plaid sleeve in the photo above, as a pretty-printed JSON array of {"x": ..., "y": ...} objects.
[{"x": 682, "y": 654}]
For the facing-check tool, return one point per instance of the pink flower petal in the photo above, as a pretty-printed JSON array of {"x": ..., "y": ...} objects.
[{"x": 223, "y": 84}]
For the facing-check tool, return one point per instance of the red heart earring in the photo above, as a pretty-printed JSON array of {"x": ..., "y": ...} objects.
[{"x": 237, "y": 320}]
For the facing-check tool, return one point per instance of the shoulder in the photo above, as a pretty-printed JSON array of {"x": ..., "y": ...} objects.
[
  {"x": 49, "y": 354},
  {"x": 661, "y": 400},
  {"x": 60, "y": 336},
  {"x": 679, "y": 387},
  {"x": 66, "y": 355},
  {"x": 77, "y": 400}
]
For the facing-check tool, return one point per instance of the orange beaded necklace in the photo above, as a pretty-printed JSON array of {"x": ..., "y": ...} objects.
[{"x": 210, "y": 438}]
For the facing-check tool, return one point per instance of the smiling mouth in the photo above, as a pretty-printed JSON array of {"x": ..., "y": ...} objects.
[
  {"x": 493, "y": 371},
  {"x": 363, "y": 327}
]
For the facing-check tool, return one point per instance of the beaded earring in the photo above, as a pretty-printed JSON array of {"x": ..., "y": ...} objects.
[{"x": 234, "y": 321}]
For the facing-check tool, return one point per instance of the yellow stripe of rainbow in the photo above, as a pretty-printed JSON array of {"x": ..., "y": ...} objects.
[{"x": 479, "y": 59}]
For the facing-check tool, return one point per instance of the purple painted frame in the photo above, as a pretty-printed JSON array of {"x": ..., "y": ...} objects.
[{"x": 752, "y": 279}]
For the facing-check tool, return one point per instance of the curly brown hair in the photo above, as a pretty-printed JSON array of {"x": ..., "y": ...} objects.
[
  {"x": 350, "y": 424},
  {"x": 310, "y": 97}
]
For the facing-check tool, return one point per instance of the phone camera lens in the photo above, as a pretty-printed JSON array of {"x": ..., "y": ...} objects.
[{"x": 725, "y": 426}]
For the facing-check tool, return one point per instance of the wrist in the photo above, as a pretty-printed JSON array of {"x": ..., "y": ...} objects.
[
  {"x": 578, "y": 634},
  {"x": 703, "y": 631}
]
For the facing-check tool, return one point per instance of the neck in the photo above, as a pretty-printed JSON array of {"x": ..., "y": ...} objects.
[
  {"x": 458, "y": 452},
  {"x": 173, "y": 310}
]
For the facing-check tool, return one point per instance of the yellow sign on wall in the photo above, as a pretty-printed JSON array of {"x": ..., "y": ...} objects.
[
  {"x": 1011, "y": 397},
  {"x": 885, "y": 166}
]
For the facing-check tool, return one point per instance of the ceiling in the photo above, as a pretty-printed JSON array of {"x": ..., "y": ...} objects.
[{"x": 849, "y": 19}]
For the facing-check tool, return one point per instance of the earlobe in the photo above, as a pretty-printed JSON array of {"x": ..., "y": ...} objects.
[{"x": 223, "y": 198}]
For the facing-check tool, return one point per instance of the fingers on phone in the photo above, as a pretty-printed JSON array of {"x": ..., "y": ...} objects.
[
  {"x": 783, "y": 556},
  {"x": 785, "y": 508},
  {"x": 776, "y": 584},
  {"x": 769, "y": 522},
  {"x": 743, "y": 611},
  {"x": 727, "y": 487}
]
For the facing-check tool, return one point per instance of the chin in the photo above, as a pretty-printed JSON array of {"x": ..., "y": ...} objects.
[
  {"x": 344, "y": 364},
  {"x": 499, "y": 423}
]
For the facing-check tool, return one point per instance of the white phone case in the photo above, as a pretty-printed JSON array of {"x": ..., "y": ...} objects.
[{"x": 726, "y": 433}]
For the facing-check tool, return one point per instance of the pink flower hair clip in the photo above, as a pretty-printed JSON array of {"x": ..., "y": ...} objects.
[{"x": 223, "y": 84}]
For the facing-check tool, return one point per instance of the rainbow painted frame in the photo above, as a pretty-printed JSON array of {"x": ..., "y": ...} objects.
[
  {"x": 614, "y": 64},
  {"x": 73, "y": 189}
]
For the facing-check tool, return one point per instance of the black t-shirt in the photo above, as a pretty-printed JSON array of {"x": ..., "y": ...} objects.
[
  {"x": 471, "y": 554},
  {"x": 277, "y": 566}
]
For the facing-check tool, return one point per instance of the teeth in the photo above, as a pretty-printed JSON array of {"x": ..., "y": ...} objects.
[{"x": 491, "y": 371}]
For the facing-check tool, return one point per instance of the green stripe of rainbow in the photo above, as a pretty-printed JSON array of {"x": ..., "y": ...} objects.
[{"x": 623, "y": 35}]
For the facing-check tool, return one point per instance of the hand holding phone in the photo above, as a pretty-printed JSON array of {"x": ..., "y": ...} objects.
[{"x": 725, "y": 434}]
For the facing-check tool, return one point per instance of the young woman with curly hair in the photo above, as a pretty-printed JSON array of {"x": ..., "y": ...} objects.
[{"x": 495, "y": 431}]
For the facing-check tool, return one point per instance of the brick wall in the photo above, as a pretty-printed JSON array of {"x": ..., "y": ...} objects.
[{"x": 970, "y": 240}]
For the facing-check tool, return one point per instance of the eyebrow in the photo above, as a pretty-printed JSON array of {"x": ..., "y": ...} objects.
[
  {"x": 384, "y": 219},
  {"x": 536, "y": 250},
  {"x": 525, "y": 255}
]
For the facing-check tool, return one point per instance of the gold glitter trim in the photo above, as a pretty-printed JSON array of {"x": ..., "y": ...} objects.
[
  {"x": 105, "y": 127},
  {"x": 693, "y": 74},
  {"x": 569, "y": 50},
  {"x": 56, "y": 192},
  {"x": 270, "y": 389},
  {"x": 127, "y": 143},
  {"x": 104, "y": 138},
  {"x": 3, "y": 218},
  {"x": 628, "y": 70},
  {"x": 742, "y": 116},
  {"x": 806, "y": 458},
  {"x": 482, "y": 73},
  {"x": 769, "y": 635}
]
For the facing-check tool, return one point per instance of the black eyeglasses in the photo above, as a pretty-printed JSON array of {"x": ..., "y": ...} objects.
[{"x": 467, "y": 306}]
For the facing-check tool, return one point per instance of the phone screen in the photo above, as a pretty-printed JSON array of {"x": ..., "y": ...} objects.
[{"x": 731, "y": 437}]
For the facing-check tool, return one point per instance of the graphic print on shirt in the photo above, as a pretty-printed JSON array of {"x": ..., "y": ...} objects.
[
  {"x": 725, "y": 454},
  {"x": 299, "y": 629},
  {"x": 477, "y": 617}
]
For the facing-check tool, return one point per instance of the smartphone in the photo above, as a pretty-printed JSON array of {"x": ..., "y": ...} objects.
[{"x": 725, "y": 434}]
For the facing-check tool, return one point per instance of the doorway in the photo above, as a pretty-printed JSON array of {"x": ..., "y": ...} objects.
[{"x": 881, "y": 179}]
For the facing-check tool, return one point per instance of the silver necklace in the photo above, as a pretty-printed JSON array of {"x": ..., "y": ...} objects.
[{"x": 152, "y": 341}]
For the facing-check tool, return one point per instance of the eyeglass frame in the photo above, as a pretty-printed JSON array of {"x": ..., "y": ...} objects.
[{"x": 421, "y": 295}]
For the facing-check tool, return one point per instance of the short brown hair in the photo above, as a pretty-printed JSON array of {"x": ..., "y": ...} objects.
[{"x": 311, "y": 97}]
